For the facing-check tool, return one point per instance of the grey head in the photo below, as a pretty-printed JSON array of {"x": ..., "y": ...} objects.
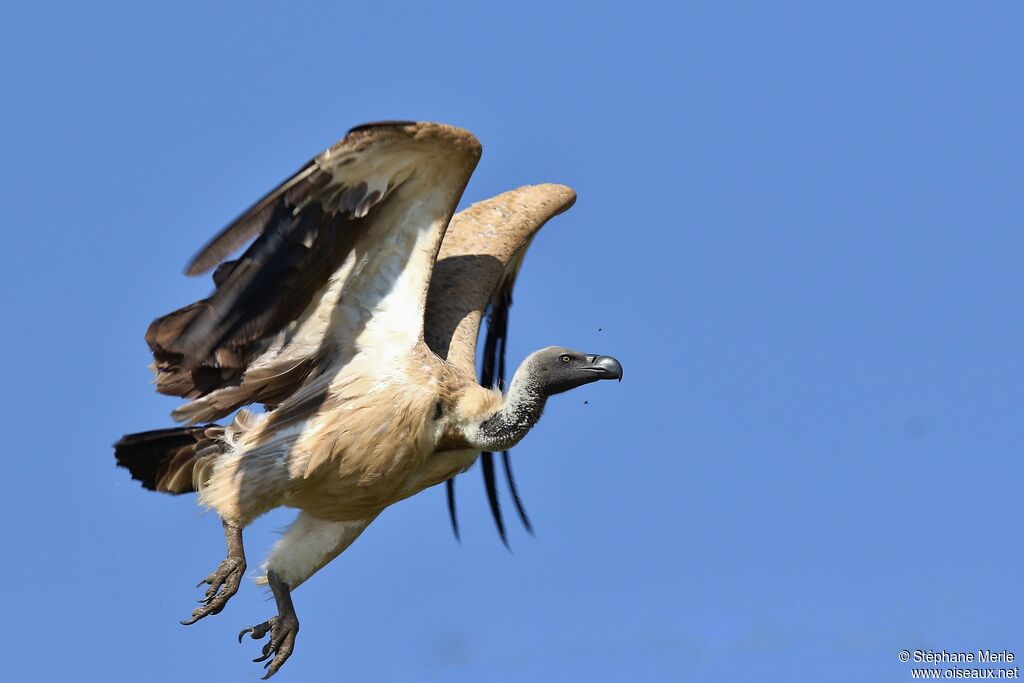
[
  {"x": 543, "y": 373},
  {"x": 555, "y": 369}
]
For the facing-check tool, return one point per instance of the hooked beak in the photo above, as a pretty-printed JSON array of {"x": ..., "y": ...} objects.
[{"x": 606, "y": 367}]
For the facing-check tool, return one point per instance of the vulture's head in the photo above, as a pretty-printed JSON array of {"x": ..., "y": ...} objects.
[
  {"x": 554, "y": 369},
  {"x": 544, "y": 373}
]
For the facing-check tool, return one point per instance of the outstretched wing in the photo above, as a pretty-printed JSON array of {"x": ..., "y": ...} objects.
[
  {"x": 358, "y": 227},
  {"x": 474, "y": 275}
]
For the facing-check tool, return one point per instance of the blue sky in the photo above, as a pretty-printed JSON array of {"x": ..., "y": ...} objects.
[{"x": 798, "y": 227}]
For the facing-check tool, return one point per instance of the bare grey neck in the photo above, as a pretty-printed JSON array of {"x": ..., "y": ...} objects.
[{"x": 523, "y": 406}]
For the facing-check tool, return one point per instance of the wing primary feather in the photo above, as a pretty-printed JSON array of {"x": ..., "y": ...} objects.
[
  {"x": 487, "y": 378},
  {"x": 499, "y": 323},
  {"x": 523, "y": 517},
  {"x": 245, "y": 290},
  {"x": 487, "y": 465},
  {"x": 452, "y": 514},
  {"x": 251, "y": 223}
]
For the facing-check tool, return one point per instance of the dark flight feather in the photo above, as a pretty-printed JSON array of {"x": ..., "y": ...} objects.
[
  {"x": 523, "y": 517},
  {"x": 247, "y": 294},
  {"x": 487, "y": 465},
  {"x": 504, "y": 304},
  {"x": 487, "y": 378},
  {"x": 252, "y": 222},
  {"x": 492, "y": 372},
  {"x": 303, "y": 230},
  {"x": 453, "y": 515}
]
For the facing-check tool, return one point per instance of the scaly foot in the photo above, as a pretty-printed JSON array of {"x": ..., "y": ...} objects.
[
  {"x": 225, "y": 580},
  {"x": 282, "y": 629},
  {"x": 223, "y": 585}
]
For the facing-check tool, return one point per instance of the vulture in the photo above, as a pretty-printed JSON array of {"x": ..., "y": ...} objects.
[{"x": 352, "y": 317}]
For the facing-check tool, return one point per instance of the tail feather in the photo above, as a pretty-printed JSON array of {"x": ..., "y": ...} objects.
[{"x": 163, "y": 459}]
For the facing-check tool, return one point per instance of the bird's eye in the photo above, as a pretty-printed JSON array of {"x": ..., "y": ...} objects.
[{"x": 564, "y": 358}]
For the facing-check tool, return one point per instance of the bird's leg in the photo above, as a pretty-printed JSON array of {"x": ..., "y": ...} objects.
[
  {"x": 283, "y": 628},
  {"x": 225, "y": 580},
  {"x": 308, "y": 545}
]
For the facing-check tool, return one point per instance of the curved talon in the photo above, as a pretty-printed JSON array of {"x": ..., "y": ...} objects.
[
  {"x": 257, "y": 631},
  {"x": 267, "y": 649},
  {"x": 282, "y": 641},
  {"x": 224, "y": 583}
]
